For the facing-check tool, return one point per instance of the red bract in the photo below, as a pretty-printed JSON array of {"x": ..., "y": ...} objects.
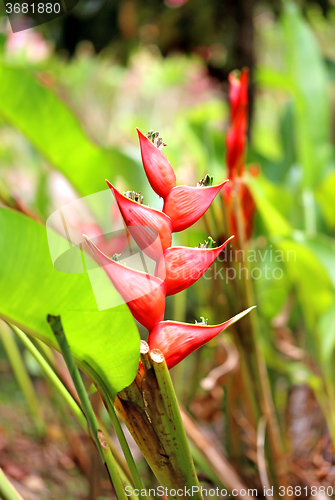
[
  {"x": 185, "y": 205},
  {"x": 236, "y": 136},
  {"x": 178, "y": 340},
  {"x": 159, "y": 172},
  {"x": 150, "y": 228},
  {"x": 180, "y": 267},
  {"x": 238, "y": 92},
  {"x": 143, "y": 293},
  {"x": 235, "y": 144}
]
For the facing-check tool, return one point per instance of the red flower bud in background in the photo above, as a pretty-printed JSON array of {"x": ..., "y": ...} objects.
[
  {"x": 158, "y": 170},
  {"x": 150, "y": 228},
  {"x": 143, "y": 293},
  {"x": 238, "y": 92},
  {"x": 178, "y": 340},
  {"x": 235, "y": 144},
  {"x": 236, "y": 136},
  {"x": 182, "y": 266},
  {"x": 185, "y": 205}
]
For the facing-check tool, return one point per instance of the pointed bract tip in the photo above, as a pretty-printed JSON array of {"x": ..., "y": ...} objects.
[
  {"x": 88, "y": 240},
  {"x": 240, "y": 315},
  {"x": 229, "y": 239}
]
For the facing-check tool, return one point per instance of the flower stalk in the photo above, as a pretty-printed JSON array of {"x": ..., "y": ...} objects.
[{"x": 150, "y": 410}]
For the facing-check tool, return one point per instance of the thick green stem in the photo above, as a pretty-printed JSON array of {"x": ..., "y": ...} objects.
[
  {"x": 7, "y": 490},
  {"x": 149, "y": 408},
  {"x": 98, "y": 436},
  {"x": 173, "y": 425}
]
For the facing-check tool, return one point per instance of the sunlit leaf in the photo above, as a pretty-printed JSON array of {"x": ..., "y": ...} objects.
[
  {"x": 307, "y": 72},
  {"x": 274, "y": 221},
  {"x": 325, "y": 197},
  {"x": 309, "y": 277},
  {"x": 56, "y": 133},
  {"x": 104, "y": 343}
]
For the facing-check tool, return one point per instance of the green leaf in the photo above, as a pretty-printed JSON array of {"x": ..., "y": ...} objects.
[
  {"x": 307, "y": 72},
  {"x": 325, "y": 197},
  {"x": 56, "y": 133},
  {"x": 274, "y": 79},
  {"x": 310, "y": 278},
  {"x": 105, "y": 343},
  {"x": 268, "y": 197},
  {"x": 324, "y": 249},
  {"x": 326, "y": 329}
]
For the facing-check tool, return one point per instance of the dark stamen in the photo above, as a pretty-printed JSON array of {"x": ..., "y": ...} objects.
[
  {"x": 208, "y": 243},
  {"x": 202, "y": 322},
  {"x": 155, "y": 139},
  {"x": 116, "y": 257},
  {"x": 132, "y": 195},
  {"x": 206, "y": 181}
]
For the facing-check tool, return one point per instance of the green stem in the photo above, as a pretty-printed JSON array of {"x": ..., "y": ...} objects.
[
  {"x": 52, "y": 377},
  {"x": 124, "y": 445},
  {"x": 174, "y": 425},
  {"x": 7, "y": 490},
  {"x": 156, "y": 428},
  {"x": 98, "y": 436},
  {"x": 21, "y": 374}
]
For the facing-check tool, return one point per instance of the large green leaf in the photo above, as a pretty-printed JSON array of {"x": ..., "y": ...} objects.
[
  {"x": 312, "y": 282},
  {"x": 104, "y": 343},
  {"x": 268, "y": 198},
  {"x": 308, "y": 76},
  {"x": 55, "y": 132}
]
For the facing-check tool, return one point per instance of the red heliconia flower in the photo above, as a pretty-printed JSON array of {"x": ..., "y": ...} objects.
[
  {"x": 178, "y": 340},
  {"x": 235, "y": 146},
  {"x": 159, "y": 172},
  {"x": 236, "y": 136},
  {"x": 180, "y": 267},
  {"x": 238, "y": 92},
  {"x": 143, "y": 293},
  {"x": 185, "y": 205},
  {"x": 150, "y": 228}
]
